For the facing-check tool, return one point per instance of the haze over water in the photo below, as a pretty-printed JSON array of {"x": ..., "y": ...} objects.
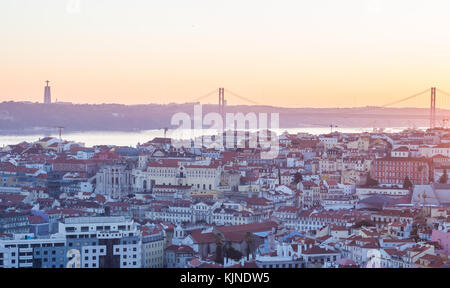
[{"x": 133, "y": 138}]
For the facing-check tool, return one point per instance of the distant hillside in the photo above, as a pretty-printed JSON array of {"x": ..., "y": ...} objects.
[{"x": 27, "y": 118}]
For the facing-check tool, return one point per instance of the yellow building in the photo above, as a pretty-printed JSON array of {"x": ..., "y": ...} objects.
[{"x": 153, "y": 240}]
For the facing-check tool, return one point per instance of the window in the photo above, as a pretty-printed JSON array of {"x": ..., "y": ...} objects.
[{"x": 70, "y": 229}]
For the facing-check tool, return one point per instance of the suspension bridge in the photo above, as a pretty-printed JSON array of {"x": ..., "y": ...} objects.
[{"x": 433, "y": 93}]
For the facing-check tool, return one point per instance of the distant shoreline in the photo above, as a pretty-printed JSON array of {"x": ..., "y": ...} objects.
[
  {"x": 18, "y": 118},
  {"x": 32, "y": 132}
]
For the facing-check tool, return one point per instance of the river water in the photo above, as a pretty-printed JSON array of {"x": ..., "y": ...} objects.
[{"x": 121, "y": 138}]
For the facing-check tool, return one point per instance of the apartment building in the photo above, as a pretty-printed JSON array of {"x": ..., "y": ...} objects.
[{"x": 102, "y": 242}]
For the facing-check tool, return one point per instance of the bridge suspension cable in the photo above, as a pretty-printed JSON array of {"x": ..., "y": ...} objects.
[
  {"x": 228, "y": 91},
  {"x": 381, "y": 106},
  {"x": 405, "y": 99},
  {"x": 205, "y": 96},
  {"x": 241, "y": 97},
  {"x": 443, "y": 92}
]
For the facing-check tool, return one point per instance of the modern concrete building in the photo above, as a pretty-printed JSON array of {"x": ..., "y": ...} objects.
[
  {"x": 24, "y": 251},
  {"x": 102, "y": 242}
]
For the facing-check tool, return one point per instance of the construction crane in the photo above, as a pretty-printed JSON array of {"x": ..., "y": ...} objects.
[
  {"x": 60, "y": 128},
  {"x": 424, "y": 197},
  {"x": 165, "y": 132},
  {"x": 333, "y": 126}
]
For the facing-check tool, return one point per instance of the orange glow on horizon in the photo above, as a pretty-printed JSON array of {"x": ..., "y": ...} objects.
[{"x": 289, "y": 53}]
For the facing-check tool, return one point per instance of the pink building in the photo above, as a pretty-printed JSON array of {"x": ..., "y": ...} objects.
[{"x": 443, "y": 238}]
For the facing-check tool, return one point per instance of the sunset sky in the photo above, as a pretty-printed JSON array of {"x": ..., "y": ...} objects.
[{"x": 321, "y": 53}]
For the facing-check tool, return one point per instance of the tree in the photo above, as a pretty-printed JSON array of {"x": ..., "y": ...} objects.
[
  {"x": 219, "y": 248},
  {"x": 407, "y": 184},
  {"x": 420, "y": 169},
  {"x": 248, "y": 239},
  {"x": 371, "y": 182},
  {"x": 444, "y": 177},
  {"x": 298, "y": 177},
  {"x": 415, "y": 233},
  {"x": 364, "y": 223},
  {"x": 233, "y": 253}
]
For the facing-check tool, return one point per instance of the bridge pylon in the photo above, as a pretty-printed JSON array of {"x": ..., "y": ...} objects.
[{"x": 433, "y": 108}]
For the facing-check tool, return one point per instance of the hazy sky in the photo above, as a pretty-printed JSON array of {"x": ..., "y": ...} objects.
[{"x": 296, "y": 53}]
